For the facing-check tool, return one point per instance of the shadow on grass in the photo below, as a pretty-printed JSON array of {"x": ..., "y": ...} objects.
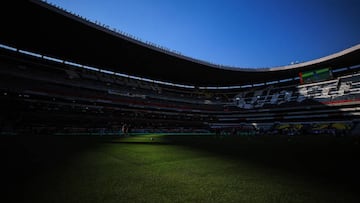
[
  {"x": 23, "y": 158},
  {"x": 332, "y": 161}
]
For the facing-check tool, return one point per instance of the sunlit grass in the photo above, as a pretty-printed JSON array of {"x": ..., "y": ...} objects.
[{"x": 145, "y": 172}]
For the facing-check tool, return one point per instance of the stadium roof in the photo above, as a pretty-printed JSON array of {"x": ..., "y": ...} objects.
[{"x": 41, "y": 28}]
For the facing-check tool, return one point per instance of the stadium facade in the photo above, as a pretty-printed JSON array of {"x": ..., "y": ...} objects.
[{"x": 61, "y": 73}]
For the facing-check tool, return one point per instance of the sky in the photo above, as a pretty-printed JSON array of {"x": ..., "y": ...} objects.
[{"x": 237, "y": 33}]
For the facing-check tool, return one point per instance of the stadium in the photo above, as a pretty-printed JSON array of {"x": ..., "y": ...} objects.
[{"x": 122, "y": 120}]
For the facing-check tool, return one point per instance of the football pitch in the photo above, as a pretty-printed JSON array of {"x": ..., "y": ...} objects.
[{"x": 179, "y": 168}]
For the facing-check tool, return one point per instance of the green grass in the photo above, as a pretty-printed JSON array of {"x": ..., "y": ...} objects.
[{"x": 114, "y": 170}]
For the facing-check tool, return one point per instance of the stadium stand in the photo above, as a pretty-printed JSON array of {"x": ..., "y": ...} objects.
[{"x": 43, "y": 94}]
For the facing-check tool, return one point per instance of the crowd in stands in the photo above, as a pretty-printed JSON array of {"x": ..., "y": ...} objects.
[
  {"x": 105, "y": 101},
  {"x": 287, "y": 129}
]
